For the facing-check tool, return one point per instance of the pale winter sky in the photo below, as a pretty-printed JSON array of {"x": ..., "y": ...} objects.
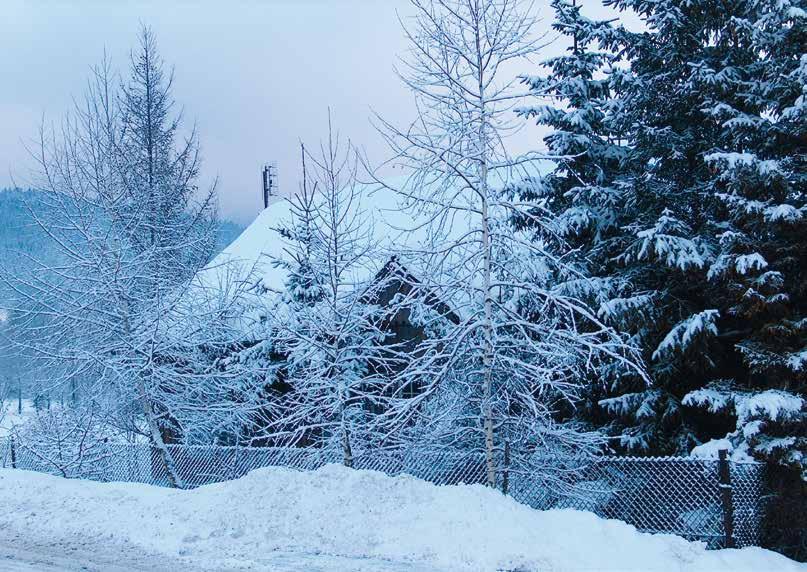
[{"x": 256, "y": 76}]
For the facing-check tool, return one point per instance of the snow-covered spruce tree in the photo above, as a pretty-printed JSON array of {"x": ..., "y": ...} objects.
[
  {"x": 262, "y": 358},
  {"x": 107, "y": 319},
  {"x": 759, "y": 178},
  {"x": 304, "y": 285},
  {"x": 520, "y": 349},
  {"x": 663, "y": 248},
  {"x": 325, "y": 324},
  {"x": 582, "y": 194},
  {"x": 582, "y": 189},
  {"x": 703, "y": 104}
]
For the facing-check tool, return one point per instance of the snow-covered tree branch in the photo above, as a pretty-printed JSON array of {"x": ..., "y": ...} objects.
[
  {"x": 522, "y": 350},
  {"x": 112, "y": 319},
  {"x": 326, "y": 324}
]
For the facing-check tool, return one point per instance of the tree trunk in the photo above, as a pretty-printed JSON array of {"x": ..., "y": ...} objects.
[
  {"x": 148, "y": 410},
  {"x": 487, "y": 255},
  {"x": 489, "y": 350},
  {"x": 347, "y": 451},
  {"x": 157, "y": 438}
]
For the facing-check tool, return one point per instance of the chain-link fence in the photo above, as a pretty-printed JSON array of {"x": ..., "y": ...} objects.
[
  {"x": 663, "y": 495},
  {"x": 681, "y": 496}
]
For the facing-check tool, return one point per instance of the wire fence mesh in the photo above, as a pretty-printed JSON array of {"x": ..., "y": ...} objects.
[{"x": 661, "y": 495}]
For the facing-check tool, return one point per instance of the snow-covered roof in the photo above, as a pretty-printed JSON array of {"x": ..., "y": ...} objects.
[
  {"x": 251, "y": 253},
  {"x": 250, "y": 260}
]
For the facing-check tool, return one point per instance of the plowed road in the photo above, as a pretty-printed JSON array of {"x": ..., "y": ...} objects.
[{"x": 22, "y": 555}]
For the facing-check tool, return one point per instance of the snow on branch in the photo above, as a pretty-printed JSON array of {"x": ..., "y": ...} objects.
[
  {"x": 521, "y": 351},
  {"x": 683, "y": 335}
]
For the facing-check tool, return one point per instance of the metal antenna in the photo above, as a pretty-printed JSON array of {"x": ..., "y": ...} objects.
[{"x": 270, "y": 187}]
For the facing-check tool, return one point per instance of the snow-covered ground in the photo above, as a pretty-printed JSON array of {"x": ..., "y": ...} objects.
[
  {"x": 10, "y": 414},
  {"x": 338, "y": 519}
]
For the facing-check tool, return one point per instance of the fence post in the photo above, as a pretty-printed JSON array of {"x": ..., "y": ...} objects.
[
  {"x": 724, "y": 474},
  {"x": 13, "y": 453}
]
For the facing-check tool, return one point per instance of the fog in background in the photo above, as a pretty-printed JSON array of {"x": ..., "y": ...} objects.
[{"x": 257, "y": 77}]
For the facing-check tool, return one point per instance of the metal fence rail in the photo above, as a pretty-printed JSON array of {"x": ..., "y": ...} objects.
[{"x": 663, "y": 495}]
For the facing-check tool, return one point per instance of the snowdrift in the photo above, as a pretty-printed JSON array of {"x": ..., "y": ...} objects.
[{"x": 350, "y": 513}]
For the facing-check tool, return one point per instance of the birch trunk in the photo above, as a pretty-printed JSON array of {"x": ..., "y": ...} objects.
[
  {"x": 488, "y": 356},
  {"x": 347, "y": 450},
  {"x": 147, "y": 408},
  {"x": 157, "y": 439}
]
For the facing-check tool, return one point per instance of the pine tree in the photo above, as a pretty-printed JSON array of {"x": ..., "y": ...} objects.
[
  {"x": 703, "y": 263},
  {"x": 303, "y": 284},
  {"x": 584, "y": 192},
  {"x": 581, "y": 189},
  {"x": 757, "y": 176},
  {"x": 667, "y": 237}
]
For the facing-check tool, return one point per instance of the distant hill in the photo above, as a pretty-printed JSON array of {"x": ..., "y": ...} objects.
[
  {"x": 20, "y": 235},
  {"x": 18, "y": 231},
  {"x": 21, "y": 240}
]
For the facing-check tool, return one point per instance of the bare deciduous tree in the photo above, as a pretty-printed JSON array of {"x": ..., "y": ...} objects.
[
  {"x": 115, "y": 319},
  {"x": 522, "y": 350},
  {"x": 69, "y": 442}
]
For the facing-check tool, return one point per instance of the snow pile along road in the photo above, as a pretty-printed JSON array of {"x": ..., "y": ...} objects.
[{"x": 348, "y": 513}]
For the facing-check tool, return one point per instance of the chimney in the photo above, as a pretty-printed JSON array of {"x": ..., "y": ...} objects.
[{"x": 269, "y": 182}]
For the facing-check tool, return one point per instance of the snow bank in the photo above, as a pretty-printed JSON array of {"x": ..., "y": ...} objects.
[{"x": 350, "y": 513}]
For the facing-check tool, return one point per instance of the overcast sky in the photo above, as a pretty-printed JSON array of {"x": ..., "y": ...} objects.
[{"x": 256, "y": 76}]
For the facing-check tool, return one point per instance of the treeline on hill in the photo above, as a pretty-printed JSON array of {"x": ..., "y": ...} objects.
[{"x": 20, "y": 234}]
